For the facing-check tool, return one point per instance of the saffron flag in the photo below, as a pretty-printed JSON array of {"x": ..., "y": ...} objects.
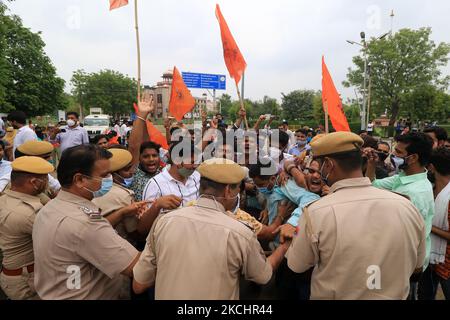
[
  {"x": 332, "y": 100},
  {"x": 181, "y": 100},
  {"x": 114, "y": 4},
  {"x": 156, "y": 136},
  {"x": 233, "y": 57}
]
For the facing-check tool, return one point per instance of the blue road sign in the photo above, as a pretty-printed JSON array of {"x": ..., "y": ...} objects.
[{"x": 204, "y": 80}]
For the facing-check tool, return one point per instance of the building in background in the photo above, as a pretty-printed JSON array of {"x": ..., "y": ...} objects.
[{"x": 161, "y": 94}]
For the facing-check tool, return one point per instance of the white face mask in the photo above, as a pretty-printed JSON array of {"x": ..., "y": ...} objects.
[{"x": 71, "y": 123}]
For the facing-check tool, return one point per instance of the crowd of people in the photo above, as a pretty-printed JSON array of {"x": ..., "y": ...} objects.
[{"x": 304, "y": 214}]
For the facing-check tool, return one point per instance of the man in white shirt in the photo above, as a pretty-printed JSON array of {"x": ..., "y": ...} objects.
[
  {"x": 176, "y": 186},
  {"x": 18, "y": 120},
  {"x": 5, "y": 166}
]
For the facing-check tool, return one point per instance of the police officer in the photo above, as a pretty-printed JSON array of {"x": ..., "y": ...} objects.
[
  {"x": 199, "y": 252},
  {"x": 118, "y": 205},
  {"x": 19, "y": 205},
  {"x": 44, "y": 150},
  {"x": 78, "y": 254},
  {"x": 364, "y": 242}
]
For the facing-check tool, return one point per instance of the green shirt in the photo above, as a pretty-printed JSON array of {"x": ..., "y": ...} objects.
[{"x": 420, "y": 192}]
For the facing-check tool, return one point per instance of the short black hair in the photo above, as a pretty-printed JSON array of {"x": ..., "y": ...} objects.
[
  {"x": 385, "y": 143},
  {"x": 347, "y": 161},
  {"x": 283, "y": 138},
  {"x": 418, "y": 143},
  {"x": 440, "y": 133},
  {"x": 301, "y": 130},
  {"x": 266, "y": 165},
  {"x": 99, "y": 137},
  {"x": 18, "y": 116},
  {"x": 73, "y": 113},
  {"x": 206, "y": 184},
  {"x": 182, "y": 146},
  {"x": 79, "y": 159},
  {"x": 369, "y": 142},
  {"x": 19, "y": 177},
  {"x": 440, "y": 159},
  {"x": 149, "y": 145}
]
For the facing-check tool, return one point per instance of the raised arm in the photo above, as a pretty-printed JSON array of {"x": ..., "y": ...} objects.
[{"x": 139, "y": 132}]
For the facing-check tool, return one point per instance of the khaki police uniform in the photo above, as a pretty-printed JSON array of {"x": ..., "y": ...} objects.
[
  {"x": 199, "y": 252},
  {"x": 17, "y": 214},
  {"x": 117, "y": 198},
  {"x": 78, "y": 255},
  {"x": 364, "y": 242}
]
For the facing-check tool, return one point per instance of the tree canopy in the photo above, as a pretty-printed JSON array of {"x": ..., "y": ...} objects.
[
  {"x": 28, "y": 79},
  {"x": 406, "y": 62}
]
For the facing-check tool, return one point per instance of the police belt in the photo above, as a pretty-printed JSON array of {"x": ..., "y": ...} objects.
[{"x": 17, "y": 272}]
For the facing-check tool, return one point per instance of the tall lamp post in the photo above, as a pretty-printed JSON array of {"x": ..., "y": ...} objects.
[{"x": 363, "y": 44}]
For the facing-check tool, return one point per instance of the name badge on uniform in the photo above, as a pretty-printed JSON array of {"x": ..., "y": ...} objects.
[{"x": 93, "y": 215}]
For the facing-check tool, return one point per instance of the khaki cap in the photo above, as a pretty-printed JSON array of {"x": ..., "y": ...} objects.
[
  {"x": 32, "y": 164},
  {"x": 336, "y": 142},
  {"x": 120, "y": 159},
  {"x": 222, "y": 171},
  {"x": 35, "y": 148}
]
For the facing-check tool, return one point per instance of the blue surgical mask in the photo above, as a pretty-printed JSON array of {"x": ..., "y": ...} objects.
[
  {"x": 264, "y": 191},
  {"x": 128, "y": 182},
  {"x": 107, "y": 184},
  {"x": 301, "y": 143},
  {"x": 399, "y": 163}
]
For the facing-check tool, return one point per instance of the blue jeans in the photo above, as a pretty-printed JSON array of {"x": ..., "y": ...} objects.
[{"x": 428, "y": 285}]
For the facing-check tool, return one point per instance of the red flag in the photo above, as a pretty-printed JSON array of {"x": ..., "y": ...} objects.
[
  {"x": 156, "y": 136},
  {"x": 331, "y": 98},
  {"x": 181, "y": 100},
  {"x": 136, "y": 110},
  {"x": 233, "y": 57},
  {"x": 114, "y": 4}
]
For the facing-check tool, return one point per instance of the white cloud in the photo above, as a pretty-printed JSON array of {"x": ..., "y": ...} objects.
[{"x": 282, "y": 41}]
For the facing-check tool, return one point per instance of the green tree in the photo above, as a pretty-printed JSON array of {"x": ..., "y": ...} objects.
[
  {"x": 28, "y": 79},
  {"x": 225, "y": 105},
  {"x": 298, "y": 104},
  {"x": 110, "y": 90},
  {"x": 427, "y": 103},
  {"x": 400, "y": 64}
]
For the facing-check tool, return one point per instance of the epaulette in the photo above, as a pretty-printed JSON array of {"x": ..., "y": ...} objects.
[{"x": 92, "y": 214}]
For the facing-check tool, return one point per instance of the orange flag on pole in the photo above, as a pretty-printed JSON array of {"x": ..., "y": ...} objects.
[
  {"x": 332, "y": 100},
  {"x": 233, "y": 57},
  {"x": 156, "y": 136},
  {"x": 181, "y": 100},
  {"x": 114, "y": 4}
]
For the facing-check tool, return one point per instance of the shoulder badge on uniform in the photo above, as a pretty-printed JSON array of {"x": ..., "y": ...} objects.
[
  {"x": 247, "y": 224},
  {"x": 93, "y": 215}
]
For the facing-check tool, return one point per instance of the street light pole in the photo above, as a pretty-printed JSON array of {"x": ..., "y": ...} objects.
[
  {"x": 364, "y": 113},
  {"x": 363, "y": 109}
]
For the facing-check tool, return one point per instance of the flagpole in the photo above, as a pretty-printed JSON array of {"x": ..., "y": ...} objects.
[
  {"x": 326, "y": 117},
  {"x": 138, "y": 51},
  {"x": 242, "y": 105}
]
